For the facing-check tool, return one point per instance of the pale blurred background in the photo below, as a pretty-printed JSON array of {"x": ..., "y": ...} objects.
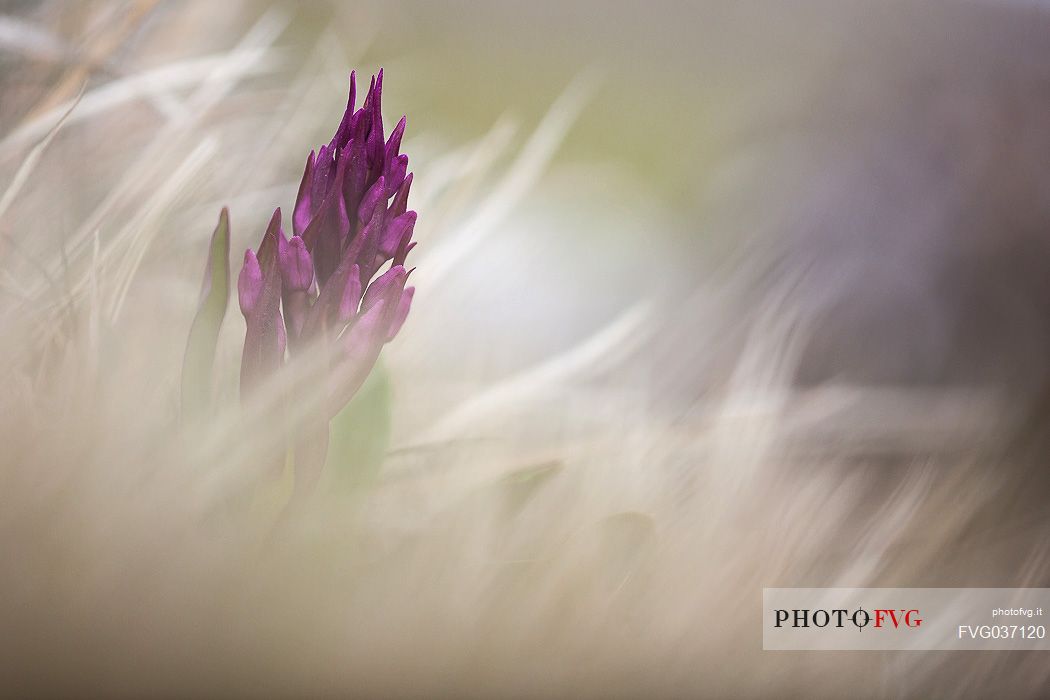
[{"x": 711, "y": 296}]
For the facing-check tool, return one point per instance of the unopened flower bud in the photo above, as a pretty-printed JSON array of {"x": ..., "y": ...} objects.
[
  {"x": 297, "y": 267},
  {"x": 249, "y": 283}
]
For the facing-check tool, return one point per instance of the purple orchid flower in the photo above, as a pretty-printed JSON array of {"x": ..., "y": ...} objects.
[{"x": 321, "y": 285}]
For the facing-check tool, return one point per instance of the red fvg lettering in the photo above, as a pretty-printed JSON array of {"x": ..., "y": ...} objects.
[{"x": 905, "y": 617}]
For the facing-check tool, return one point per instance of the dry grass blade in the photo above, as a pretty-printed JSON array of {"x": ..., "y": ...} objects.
[
  {"x": 154, "y": 162},
  {"x": 33, "y": 157},
  {"x": 604, "y": 348},
  {"x": 522, "y": 174},
  {"x": 178, "y": 75}
]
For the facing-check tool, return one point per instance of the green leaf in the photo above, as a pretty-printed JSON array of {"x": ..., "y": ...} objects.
[
  {"x": 204, "y": 332},
  {"x": 360, "y": 433}
]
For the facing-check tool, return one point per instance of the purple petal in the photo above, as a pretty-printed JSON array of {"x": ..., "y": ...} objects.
[
  {"x": 269, "y": 246},
  {"x": 376, "y": 146},
  {"x": 367, "y": 330},
  {"x": 393, "y": 144},
  {"x": 295, "y": 306},
  {"x": 326, "y": 234},
  {"x": 361, "y": 346},
  {"x": 264, "y": 338},
  {"x": 405, "y": 247},
  {"x": 368, "y": 249},
  {"x": 324, "y": 166},
  {"x": 396, "y": 169},
  {"x": 324, "y": 314},
  {"x": 376, "y": 194},
  {"x": 304, "y": 211},
  {"x": 249, "y": 283},
  {"x": 356, "y": 180},
  {"x": 395, "y": 233},
  {"x": 399, "y": 205},
  {"x": 342, "y": 134},
  {"x": 403, "y": 306},
  {"x": 297, "y": 267},
  {"x": 387, "y": 286},
  {"x": 351, "y": 298}
]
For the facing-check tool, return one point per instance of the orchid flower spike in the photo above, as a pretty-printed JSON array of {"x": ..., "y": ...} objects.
[{"x": 327, "y": 283}]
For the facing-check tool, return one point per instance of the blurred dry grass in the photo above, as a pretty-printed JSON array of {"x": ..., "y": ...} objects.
[{"x": 616, "y": 418}]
